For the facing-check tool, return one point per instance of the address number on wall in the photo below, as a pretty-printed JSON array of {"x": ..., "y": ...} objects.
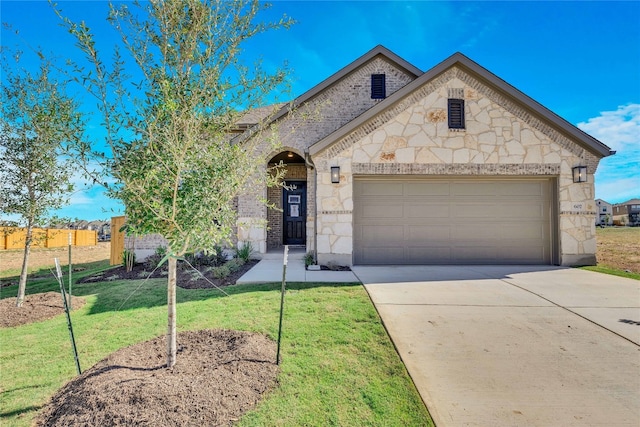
[{"x": 578, "y": 206}]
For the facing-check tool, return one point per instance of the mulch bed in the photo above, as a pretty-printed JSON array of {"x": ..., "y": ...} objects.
[
  {"x": 187, "y": 278},
  {"x": 35, "y": 308},
  {"x": 219, "y": 375}
]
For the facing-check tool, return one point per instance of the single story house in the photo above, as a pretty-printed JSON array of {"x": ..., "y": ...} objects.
[
  {"x": 387, "y": 164},
  {"x": 393, "y": 165}
]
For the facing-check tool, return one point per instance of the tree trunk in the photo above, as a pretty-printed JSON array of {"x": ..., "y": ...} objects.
[
  {"x": 171, "y": 306},
  {"x": 22, "y": 285}
]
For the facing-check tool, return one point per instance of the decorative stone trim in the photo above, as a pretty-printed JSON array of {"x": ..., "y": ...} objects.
[
  {"x": 336, "y": 212},
  {"x": 374, "y": 123},
  {"x": 577, "y": 213},
  {"x": 454, "y": 169}
]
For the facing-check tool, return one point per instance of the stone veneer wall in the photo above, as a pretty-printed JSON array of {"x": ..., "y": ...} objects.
[
  {"x": 316, "y": 118},
  {"x": 144, "y": 246},
  {"x": 412, "y": 137}
]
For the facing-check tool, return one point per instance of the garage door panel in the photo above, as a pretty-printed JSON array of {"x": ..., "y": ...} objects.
[
  {"x": 426, "y": 189},
  {"x": 521, "y": 252},
  {"x": 381, "y": 255},
  {"x": 426, "y": 234},
  {"x": 377, "y": 188},
  {"x": 524, "y": 232},
  {"x": 452, "y": 221},
  {"x": 427, "y": 210},
  {"x": 379, "y": 236},
  {"x": 472, "y": 189},
  {"x": 377, "y": 210},
  {"x": 524, "y": 210},
  {"x": 435, "y": 255},
  {"x": 478, "y": 210}
]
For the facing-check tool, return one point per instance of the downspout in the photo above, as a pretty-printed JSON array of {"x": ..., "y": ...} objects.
[{"x": 310, "y": 164}]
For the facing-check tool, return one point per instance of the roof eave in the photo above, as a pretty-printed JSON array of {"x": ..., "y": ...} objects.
[{"x": 460, "y": 60}]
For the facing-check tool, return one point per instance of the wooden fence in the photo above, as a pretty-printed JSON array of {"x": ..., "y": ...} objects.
[
  {"x": 117, "y": 239},
  {"x": 14, "y": 238}
]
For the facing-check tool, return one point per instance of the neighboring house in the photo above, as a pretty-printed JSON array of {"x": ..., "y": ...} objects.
[
  {"x": 627, "y": 213},
  {"x": 392, "y": 165},
  {"x": 605, "y": 213}
]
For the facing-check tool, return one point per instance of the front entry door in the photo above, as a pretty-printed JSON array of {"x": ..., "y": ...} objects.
[{"x": 295, "y": 213}]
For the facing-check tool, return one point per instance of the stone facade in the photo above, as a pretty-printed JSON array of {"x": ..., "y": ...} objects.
[
  {"x": 409, "y": 134},
  {"x": 418, "y": 141},
  {"x": 316, "y": 118}
]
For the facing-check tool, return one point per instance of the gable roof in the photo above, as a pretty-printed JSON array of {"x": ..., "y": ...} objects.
[
  {"x": 373, "y": 53},
  {"x": 486, "y": 77},
  {"x": 329, "y": 81}
]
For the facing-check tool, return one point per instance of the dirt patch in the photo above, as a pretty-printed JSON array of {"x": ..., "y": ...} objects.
[
  {"x": 187, "y": 277},
  {"x": 42, "y": 258},
  {"x": 619, "y": 248},
  {"x": 219, "y": 376},
  {"x": 35, "y": 308}
]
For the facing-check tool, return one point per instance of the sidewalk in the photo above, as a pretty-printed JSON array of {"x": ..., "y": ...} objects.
[{"x": 269, "y": 269}]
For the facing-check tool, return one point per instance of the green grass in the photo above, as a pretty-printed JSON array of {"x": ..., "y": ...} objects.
[
  {"x": 338, "y": 364},
  {"x": 612, "y": 271}
]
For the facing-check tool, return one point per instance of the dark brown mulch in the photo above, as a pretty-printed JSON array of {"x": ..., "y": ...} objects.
[
  {"x": 35, "y": 308},
  {"x": 219, "y": 375},
  {"x": 187, "y": 278}
]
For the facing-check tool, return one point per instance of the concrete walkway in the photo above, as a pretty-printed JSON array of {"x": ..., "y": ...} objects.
[
  {"x": 269, "y": 269},
  {"x": 515, "y": 346}
]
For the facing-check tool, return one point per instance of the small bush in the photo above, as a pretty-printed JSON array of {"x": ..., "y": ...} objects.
[
  {"x": 309, "y": 259},
  {"x": 152, "y": 261},
  {"x": 244, "y": 252},
  {"x": 221, "y": 272},
  {"x": 235, "y": 264},
  {"x": 128, "y": 259}
]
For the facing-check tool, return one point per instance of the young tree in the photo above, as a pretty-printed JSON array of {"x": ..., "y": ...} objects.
[
  {"x": 177, "y": 167},
  {"x": 39, "y": 122}
]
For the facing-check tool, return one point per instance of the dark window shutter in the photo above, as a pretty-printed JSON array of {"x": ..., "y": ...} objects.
[
  {"x": 456, "y": 113},
  {"x": 378, "y": 86}
]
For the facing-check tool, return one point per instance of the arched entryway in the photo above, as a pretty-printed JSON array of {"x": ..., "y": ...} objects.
[{"x": 287, "y": 223}]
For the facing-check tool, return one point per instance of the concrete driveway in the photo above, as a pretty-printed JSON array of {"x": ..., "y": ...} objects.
[{"x": 515, "y": 346}]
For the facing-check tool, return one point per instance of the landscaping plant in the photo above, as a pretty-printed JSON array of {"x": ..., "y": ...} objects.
[{"x": 177, "y": 169}]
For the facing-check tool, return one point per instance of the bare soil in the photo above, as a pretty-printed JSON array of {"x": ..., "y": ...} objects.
[
  {"x": 187, "y": 278},
  {"x": 619, "y": 248},
  {"x": 35, "y": 308},
  {"x": 219, "y": 375},
  {"x": 42, "y": 258}
]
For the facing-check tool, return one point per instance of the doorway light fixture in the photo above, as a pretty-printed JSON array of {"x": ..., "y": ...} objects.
[
  {"x": 579, "y": 174},
  {"x": 335, "y": 174}
]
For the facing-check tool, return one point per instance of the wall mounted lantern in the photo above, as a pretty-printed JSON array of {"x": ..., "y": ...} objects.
[
  {"x": 335, "y": 174},
  {"x": 580, "y": 174}
]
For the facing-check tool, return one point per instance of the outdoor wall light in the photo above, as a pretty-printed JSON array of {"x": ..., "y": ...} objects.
[
  {"x": 580, "y": 174},
  {"x": 335, "y": 174}
]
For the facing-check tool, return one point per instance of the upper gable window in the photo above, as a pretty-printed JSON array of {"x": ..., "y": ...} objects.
[
  {"x": 378, "y": 86},
  {"x": 456, "y": 113}
]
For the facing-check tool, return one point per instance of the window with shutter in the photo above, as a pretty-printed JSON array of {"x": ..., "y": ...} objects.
[
  {"x": 456, "y": 113},
  {"x": 378, "y": 86}
]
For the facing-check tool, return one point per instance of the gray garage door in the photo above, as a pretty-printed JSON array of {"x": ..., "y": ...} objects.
[{"x": 453, "y": 221}]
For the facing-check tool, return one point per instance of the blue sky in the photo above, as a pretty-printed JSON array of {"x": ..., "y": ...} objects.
[{"x": 579, "y": 59}]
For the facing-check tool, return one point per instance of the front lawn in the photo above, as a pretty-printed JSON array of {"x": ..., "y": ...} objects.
[{"x": 338, "y": 364}]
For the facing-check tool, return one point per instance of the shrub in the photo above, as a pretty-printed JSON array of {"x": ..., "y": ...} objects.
[
  {"x": 128, "y": 259},
  {"x": 152, "y": 261},
  {"x": 309, "y": 259},
  {"x": 244, "y": 252},
  {"x": 221, "y": 272},
  {"x": 235, "y": 264}
]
